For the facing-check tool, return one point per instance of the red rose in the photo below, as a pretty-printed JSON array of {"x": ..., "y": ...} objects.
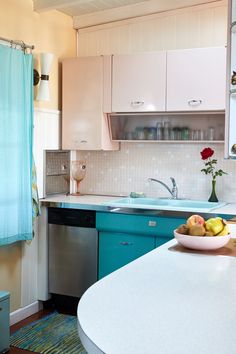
[{"x": 206, "y": 153}]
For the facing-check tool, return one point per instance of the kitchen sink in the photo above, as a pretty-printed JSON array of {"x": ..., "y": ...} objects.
[{"x": 165, "y": 204}]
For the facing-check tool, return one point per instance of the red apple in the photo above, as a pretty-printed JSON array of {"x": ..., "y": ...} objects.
[{"x": 195, "y": 220}]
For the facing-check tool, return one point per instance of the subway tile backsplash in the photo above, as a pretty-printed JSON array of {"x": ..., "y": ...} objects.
[{"x": 127, "y": 170}]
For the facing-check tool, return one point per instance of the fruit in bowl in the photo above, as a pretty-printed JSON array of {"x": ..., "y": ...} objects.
[
  {"x": 202, "y": 234},
  {"x": 195, "y": 220}
]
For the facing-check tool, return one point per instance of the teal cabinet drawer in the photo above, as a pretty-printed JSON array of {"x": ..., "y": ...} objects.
[
  {"x": 118, "y": 249},
  {"x": 134, "y": 224},
  {"x": 4, "y": 322},
  {"x": 138, "y": 224}
]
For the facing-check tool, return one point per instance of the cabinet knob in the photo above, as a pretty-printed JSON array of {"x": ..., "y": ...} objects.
[
  {"x": 194, "y": 102},
  {"x": 125, "y": 243},
  {"x": 137, "y": 103}
]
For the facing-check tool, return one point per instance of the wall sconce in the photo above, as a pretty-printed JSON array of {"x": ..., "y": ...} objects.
[{"x": 45, "y": 62}]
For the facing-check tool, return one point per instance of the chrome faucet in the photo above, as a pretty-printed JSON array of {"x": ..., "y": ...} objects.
[{"x": 173, "y": 191}]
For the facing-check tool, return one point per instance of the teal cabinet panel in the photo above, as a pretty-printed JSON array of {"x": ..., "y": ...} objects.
[
  {"x": 4, "y": 322},
  {"x": 161, "y": 240},
  {"x": 167, "y": 226},
  {"x": 138, "y": 224},
  {"x": 127, "y": 223},
  {"x": 118, "y": 249},
  {"x": 125, "y": 237}
]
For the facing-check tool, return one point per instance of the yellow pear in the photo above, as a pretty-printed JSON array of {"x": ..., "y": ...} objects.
[
  {"x": 197, "y": 230},
  {"x": 224, "y": 232},
  {"x": 215, "y": 225},
  {"x": 209, "y": 233}
]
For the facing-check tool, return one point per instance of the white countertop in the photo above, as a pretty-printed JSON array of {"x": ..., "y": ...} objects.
[
  {"x": 99, "y": 200},
  {"x": 82, "y": 199},
  {"x": 165, "y": 302}
]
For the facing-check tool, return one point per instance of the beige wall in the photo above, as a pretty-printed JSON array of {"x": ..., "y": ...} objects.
[
  {"x": 10, "y": 272},
  {"x": 48, "y": 32}
]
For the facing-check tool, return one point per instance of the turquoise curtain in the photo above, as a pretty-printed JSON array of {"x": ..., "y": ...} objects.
[{"x": 16, "y": 129}]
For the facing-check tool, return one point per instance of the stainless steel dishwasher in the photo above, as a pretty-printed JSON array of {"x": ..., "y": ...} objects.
[{"x": 73, "y": 243}]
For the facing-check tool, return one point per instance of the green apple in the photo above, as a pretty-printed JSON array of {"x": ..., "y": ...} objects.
[{"x": 214, "y": 225}]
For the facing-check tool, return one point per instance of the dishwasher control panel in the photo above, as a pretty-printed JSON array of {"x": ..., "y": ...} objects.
[{"x": 72, "y": 217}]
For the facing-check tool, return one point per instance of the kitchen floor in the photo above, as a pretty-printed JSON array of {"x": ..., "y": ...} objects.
[{"x": 15, "y": 327}]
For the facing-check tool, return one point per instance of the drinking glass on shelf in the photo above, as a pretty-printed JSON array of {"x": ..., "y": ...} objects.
[
  {"x": 166, "y": 130},
  {"x": 184, "y": 133},
  {"x": 197, "y": 134},
  {"x": 78, "y": 171},
  {"x": 140, "y": 133},
  {"x": 159, "y": 132},
  {"x": 211, "y": 133}
]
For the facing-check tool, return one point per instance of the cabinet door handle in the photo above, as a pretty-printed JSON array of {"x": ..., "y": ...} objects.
[
  {"x": 83, "y": 141},
  {"x": 0, "y": 309},
  {"x": 125, "y": 243},
  {"x": 137, "y": 103},
  {"x": 194, "y": 102}
]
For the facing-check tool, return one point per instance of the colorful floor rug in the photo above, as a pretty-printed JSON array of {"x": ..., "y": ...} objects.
[{"x": 55, "y": 333}]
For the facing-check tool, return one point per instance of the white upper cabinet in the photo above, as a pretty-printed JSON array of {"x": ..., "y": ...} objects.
[
  {"x": 86, "y": 96},
  {"x": 139, "y": 82},
  {"x": 196, "y": 79}
]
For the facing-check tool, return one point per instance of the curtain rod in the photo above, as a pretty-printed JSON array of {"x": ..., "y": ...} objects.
[{"x": 19, "y": 43}]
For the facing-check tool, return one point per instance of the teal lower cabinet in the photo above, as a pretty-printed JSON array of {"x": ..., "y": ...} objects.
[
  {"x": 4, "y": 322},
  {"x": 166, "y": 227},
  {"x": 125, "y": 237},
  {"x": 118, "y": 249}
]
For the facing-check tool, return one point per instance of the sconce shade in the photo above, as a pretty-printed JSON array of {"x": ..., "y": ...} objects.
[
  {"x": 43, "y": 92},
  {"x": 45, "y": 63}
]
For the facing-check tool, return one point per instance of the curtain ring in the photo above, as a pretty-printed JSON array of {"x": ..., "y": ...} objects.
[
  {"x": 11, "y": 44},
  {"x": 23, "y": 46}
]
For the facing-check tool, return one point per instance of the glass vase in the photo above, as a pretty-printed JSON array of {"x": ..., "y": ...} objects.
[{"x": 213, "y": 196}]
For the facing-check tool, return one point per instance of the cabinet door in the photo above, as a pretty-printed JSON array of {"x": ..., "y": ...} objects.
[
  {"x": 139, "y": 82},
  {"x": 84, "y": 125},
  {"x": 118, "y": 249},
  {"x": 4, "y": 326},
  {"x": 196, "y": 79},
  {"x": 161, "y": 240}
]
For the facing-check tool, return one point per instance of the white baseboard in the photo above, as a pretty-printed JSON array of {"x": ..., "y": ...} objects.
[{"x": 25, "y": 312}]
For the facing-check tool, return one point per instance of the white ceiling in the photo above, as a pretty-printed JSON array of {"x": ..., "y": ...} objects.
[
  {"x": 88, "y": 10},
  {"x": 82, "y": 7}
]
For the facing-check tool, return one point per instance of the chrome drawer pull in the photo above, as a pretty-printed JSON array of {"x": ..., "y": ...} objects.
[
  {"x": 126, "y": 243},
  {"x": 152, "y": 223},
  {"x": 194, "y": 102},
  {"x": 137, "y": 103}
]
